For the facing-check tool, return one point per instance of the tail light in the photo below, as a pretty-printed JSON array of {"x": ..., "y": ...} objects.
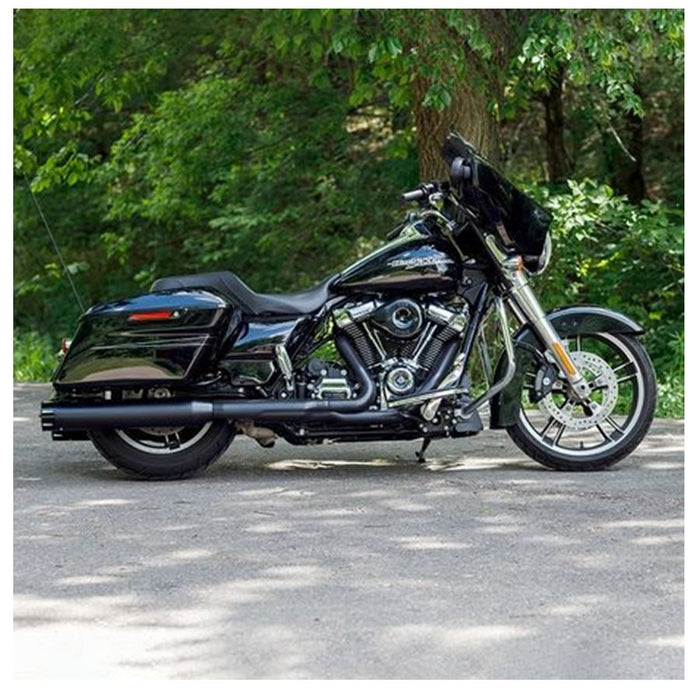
[{"x": 144, "y": 316}]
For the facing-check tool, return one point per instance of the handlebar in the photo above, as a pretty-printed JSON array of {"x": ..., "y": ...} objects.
[
  {"x": 423, "y": 192},
  {"x": 460, "y": 175},
  {"x": 414, "y": 195}
]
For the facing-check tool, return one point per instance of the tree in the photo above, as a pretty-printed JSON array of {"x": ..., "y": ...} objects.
[
  {"x": 273, "y": 142},
  {"x": 601, "y": 58}
]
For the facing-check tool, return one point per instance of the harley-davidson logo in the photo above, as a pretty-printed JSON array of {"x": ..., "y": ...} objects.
[{"x": 412, "y": 263}]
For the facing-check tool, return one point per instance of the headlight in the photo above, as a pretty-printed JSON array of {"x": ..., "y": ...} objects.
[{"x": 546, "y": 254}]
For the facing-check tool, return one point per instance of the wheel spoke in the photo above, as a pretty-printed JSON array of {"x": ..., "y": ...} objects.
[
  {"x": 606, "y": 437},
  {"x": 550, "y": 423},
  {"x": 598, "y": 382},
  {"x": 173, "y": 441},
  {"x": 618, "y": 432},
  {"x": 560, "y": 433},
  {"x": 621, "y": 368}
]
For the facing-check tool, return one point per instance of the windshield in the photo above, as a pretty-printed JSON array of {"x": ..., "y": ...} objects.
[{"x": 518, "y": 221}]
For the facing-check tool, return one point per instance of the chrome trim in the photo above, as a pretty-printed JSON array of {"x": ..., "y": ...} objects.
[
  {"x": 333, "y": 385},
  {"x": 354, "y": 314},
  {"x": 342, "y": 318},
  {"x": 430, "y": 409},
  {"x": 455, "y": 391},
  {"x": 522, "y": 296},
  {"x": 427, "y": 336},
  {"x": 454, "y": 319},
  {"x": 375, "y": 341},
  {"x": 285, "y": 364}
]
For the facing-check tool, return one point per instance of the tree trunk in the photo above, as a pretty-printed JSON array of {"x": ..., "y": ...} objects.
[
  {"x": 468, "y": 114},
  {"x": 558, "y": 165},
  {"x": 476, "y": 76}
]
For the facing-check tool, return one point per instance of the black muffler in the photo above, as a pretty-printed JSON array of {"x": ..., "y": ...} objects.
[{"x": 59, "y": 416}]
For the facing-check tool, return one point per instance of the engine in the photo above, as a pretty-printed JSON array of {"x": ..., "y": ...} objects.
[{"x": 400, "y": 341}]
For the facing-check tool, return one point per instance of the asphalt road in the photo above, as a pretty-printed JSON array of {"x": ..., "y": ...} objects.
[{"x": 347, "y": 562}]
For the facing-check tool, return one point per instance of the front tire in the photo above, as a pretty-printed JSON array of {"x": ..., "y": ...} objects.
[
  {"x": 164, "y": 453},
  {"x": 565, "y": 434}
]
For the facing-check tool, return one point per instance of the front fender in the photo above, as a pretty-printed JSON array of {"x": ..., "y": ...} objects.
[{"x": 568, "y": 321}]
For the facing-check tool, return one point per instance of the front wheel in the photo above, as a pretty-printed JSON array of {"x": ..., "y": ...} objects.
[
  {"x": 560, "y": 431},
  {"x": 164, "y": 453}
]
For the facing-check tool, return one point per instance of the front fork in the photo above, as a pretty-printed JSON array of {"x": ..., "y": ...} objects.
[{"x": 527, "y": 308}]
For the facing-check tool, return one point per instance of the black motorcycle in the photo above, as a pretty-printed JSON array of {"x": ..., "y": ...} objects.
[{"x": 411, "y": 342}]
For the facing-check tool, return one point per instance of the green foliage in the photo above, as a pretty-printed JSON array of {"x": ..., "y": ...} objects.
[
  {"x": 671, "y": 397},
  {"x": 34, "y": 357},
  {"x": 275, "y": 142},
  {"x": 231, "y": 187},
  {"x": 600, "y": 49},
  {"x": 630, "y": 258},
  {"x": 613, "y": 68}
]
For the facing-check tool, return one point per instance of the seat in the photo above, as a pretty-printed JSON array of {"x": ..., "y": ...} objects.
[{"x": 232, "y": 288}]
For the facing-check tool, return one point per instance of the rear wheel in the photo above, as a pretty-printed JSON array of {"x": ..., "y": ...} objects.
[
  {"x": 568, "y": 434},
  {"x": 164, "y": 453}
]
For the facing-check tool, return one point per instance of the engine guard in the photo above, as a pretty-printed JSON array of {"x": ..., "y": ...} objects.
[{"x": 566, "y": 321}]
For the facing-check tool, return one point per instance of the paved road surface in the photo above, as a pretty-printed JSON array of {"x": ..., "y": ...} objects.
[{"x": 348, "y": 561}]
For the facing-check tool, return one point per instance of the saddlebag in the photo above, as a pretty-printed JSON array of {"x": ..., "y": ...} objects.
[{"x": 161, "y": 338}]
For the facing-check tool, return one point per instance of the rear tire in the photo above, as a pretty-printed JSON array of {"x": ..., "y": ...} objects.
[{"x": 164, "y": 453}]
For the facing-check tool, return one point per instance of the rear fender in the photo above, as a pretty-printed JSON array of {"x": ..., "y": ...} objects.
[{"x": 569, "y": 321}]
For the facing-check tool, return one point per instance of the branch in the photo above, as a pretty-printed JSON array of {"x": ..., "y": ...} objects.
[{"x": 611, "y": 129}]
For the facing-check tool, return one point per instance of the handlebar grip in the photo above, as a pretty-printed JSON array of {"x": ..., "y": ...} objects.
[{"x": 413, "y": 195}]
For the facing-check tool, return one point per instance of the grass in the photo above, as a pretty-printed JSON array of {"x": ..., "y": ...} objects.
[
  {"x": 670, "y": 401},
  {"x": 35, "y": 357}
]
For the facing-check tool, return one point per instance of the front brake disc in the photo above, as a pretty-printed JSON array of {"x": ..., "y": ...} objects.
[{"x": 579, "y": 416}]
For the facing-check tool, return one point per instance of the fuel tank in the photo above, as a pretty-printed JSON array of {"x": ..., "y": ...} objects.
[{"x": 416, "y": 260}]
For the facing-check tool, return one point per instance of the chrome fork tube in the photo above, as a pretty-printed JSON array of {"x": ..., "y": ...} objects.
[{"x": 525, "y": 304}]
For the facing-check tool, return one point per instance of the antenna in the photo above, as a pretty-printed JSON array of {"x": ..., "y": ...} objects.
[{"x": 55, "y": 245}]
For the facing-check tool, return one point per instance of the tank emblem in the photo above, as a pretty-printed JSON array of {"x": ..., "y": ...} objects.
[{"x": 411, "y": 263}]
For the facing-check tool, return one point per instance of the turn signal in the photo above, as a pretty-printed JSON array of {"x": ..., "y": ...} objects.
[{"x": 515, "y": 263}]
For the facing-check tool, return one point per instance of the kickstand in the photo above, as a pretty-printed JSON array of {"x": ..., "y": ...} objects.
[{"x": 421, "y": 453}]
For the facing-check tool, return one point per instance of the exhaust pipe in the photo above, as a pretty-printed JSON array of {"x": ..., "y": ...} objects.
[{"x": 71, "y": 417}]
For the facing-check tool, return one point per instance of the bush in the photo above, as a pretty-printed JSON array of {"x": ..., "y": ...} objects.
[
  {"x": 34, "y": 357},
  {"x": 629, "y": 258}
]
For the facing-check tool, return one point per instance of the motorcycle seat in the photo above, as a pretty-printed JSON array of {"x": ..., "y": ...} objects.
[{"x": 232, "y": 288}]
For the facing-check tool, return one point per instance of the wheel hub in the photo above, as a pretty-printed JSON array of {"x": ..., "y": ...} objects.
[{"x": 582, "y": 415}]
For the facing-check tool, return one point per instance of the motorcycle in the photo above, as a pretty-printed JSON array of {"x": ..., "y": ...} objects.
[{"x": 398, "y": 346}]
